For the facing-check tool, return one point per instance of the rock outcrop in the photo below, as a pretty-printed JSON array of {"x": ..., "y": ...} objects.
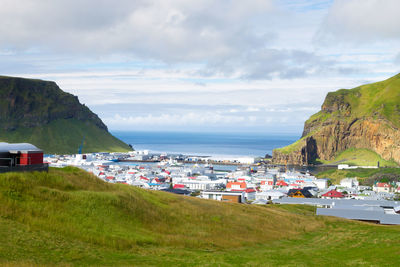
[{"x": 366, "y": 117}]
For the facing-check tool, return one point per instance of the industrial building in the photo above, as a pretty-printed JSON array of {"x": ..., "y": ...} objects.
[{"x": 21, "y": 157}]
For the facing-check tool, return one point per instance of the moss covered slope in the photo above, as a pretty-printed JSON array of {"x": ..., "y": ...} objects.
[{"x": 39, "y": 112}]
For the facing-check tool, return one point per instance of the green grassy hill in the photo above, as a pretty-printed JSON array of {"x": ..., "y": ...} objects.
[
  {"x": 39, "y": 112},
  {"x": 375, "y": 99},
  {"x": 68, "y": 217},
  {"x": 65, "y": 136},
  {"x": 357, "y": 126}
]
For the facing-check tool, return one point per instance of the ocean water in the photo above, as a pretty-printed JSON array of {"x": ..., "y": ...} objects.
[{"x": 207, "y": 144}]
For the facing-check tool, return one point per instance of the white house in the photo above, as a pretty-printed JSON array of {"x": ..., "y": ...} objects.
[
  {"x": 382, "y": 187},
  {"x": 227, "y": 196},
  {"x": 321, "y": 183},
  {"x": 267, "y": 184},
  {"x": 349, "y": 183},
  {"x": 198, "y": 184},
  {"x": 270, "y": 195}
]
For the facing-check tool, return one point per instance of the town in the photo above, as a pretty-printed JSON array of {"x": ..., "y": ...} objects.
[{"x": 241, "y": 181}]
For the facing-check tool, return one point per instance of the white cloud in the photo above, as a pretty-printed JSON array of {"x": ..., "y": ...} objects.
[
  {"x": 205, "y": 63},
  {"x": 397, "y": 58},
  {"x": 361, "y": 21},
  {"x": 201, "y": 117},
  {"x": 252, "y": 109},
  {"x": 186, "y": 119},
  {"x": 166, "y": 30},
  {"x": 230, "y": 38}
]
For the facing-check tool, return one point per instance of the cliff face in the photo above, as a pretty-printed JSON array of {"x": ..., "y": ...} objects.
[
  {"x": 31, "y": 103},
  {"x": 366, "y": 117},
  {"x": 40, "y": 112}
]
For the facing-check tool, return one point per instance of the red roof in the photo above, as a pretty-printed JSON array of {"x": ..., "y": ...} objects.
[
  {"x": 281, "y": 183},
  {"x": 250, "y": 190},
  {"x": 334, "y": 194},
  {"x": 241, "y": 184},
  {"x": 144, "y": 178},
  {"x": 179, "y": 186},
  {"x": 110, "y": 177},
  {"x": 383, "y": 185}
]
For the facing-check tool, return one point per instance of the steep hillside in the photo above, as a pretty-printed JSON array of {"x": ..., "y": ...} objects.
[
  {"x": 363, "y": 118},
  {"x": 39, "y": 112},
  {"x": 68, "y": 217}
]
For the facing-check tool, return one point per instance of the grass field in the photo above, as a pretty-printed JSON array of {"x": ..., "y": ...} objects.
[
  {"x": 361, "y": 174},
  {"x": 70, "y": 218}
]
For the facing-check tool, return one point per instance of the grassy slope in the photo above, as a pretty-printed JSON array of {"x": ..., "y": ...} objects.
[
  {"x": 65, "y": 136},
  {"x": 366, "y": 100},
  {"x": 336, "y": 175},
  {"x": 296, "y": 146},
  {"x": 70, "y": 217},
  {"x": 26, "y": 103},
  {"x": 360, "y": 157}
]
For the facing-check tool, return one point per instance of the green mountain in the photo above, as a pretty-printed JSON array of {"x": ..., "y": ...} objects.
[
  {"x": 39, "y": 112},
  {"x": 357, "y": 126},
  {"x": 68, "y": 217}
]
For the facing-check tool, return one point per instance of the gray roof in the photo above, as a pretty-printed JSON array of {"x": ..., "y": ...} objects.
[
  {"x": 364, "y": 215},
  {"x": 20, "y": 147},
  {"x": 338, "y": 202}
]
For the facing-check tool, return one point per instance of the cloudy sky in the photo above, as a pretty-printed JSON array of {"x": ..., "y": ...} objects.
[{"x": 204, "y": 65}]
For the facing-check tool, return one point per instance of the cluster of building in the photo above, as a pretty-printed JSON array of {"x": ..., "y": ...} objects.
[
  {"x": 146, "y": 156},
  {"x": 238, "y": 183},
  {"x": 233, "y": 182},
  {"x": 250, "y": 183}
]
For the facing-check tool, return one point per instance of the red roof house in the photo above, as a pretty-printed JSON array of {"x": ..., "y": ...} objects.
[
  {"x": 236, "y": 186},
  {"x": 281, "y": 183},
  {"x": 250, "y": 190},
  {"x": 333, "y": 194},
  {"x": 144, "y": 178},
  {"x": 382, "y": 187}
]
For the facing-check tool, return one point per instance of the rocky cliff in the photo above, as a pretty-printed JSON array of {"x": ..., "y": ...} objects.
[
  {"x": 366, "y": 117},
  {"x": 39, "y": 112}
]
